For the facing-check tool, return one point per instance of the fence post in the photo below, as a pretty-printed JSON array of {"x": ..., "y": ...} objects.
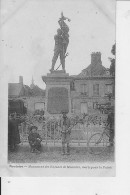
[
  {"x": 58, "y": 131},
  {"x": 54, "y": 126},
  {"x": 87, "y": 135},
  {"x": 78, "y": 135},
  {"x": 50, "y": 129},
  {"x": 46, "y": 131},
  {"x": 21, "y": 126}
]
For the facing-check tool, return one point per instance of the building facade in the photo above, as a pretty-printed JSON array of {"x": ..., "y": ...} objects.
[
  {"x": 33, "y": 97},
  {"x": 93, "y": 86},
  {"x": 84, "y": 92}
]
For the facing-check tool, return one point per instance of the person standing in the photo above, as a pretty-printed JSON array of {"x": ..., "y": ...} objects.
[
  {"x": 110, "y": 121},
  {"x": 65, "y": 134},
  {"x": 13, "y": 131},
  {"x": 11, "y": 134}
]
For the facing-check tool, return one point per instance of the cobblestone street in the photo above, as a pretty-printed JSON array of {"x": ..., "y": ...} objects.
[{"x": 53, "y": 154}]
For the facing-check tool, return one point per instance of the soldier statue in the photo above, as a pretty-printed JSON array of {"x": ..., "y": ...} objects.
[{"x": 61, "y": 43}]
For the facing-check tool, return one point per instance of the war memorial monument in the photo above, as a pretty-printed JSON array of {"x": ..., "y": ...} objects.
[
  {"x": 80, "y": 93},
  {"x": 58, "y": 81}
]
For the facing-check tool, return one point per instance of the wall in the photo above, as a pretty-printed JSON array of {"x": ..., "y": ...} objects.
[
  {"x": 31, "y": 103},
  {"x": 77, "y": 97}
]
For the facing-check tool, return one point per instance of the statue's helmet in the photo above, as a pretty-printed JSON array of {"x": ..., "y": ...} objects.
[{"x": 59, "y": 31}]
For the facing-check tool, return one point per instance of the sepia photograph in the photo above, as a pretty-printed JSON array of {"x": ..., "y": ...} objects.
[{"x": 60, "y": 57}]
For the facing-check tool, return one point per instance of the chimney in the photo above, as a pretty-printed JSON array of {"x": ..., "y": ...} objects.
[
  {"x": 96, "y": 58},
  {"x": 21, "y": 80}
]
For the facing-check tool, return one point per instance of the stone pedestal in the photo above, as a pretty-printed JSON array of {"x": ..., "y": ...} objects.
[{"x": 57, "y": 93}]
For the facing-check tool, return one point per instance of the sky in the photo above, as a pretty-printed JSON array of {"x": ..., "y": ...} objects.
[{"x": 28, "y": 28}]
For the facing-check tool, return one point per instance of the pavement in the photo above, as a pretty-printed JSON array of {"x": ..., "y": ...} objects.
[{"x": 53, "y": 153}]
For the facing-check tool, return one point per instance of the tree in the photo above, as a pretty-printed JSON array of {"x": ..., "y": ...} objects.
[
  {"x": 112, "y": 69},
  {"x": 112, "y": 66}
]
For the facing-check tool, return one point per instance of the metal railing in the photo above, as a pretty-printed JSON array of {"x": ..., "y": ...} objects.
[{"x": 50, "y": 131}]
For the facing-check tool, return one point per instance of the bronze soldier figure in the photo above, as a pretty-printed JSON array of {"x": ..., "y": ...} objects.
[
  {"x": 65, "y": 29},
  {"x": 58, "y": 50},
  {"x": 61, "y": 43}
]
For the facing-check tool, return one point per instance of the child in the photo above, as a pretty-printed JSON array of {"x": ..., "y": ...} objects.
[{"x": 34, "y": 140}]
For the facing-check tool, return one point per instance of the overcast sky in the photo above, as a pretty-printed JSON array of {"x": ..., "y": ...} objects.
[{"x": 28, "y": 29}]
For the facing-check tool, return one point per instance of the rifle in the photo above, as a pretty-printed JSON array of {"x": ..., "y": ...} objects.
[{"x": 64, "y": 57}]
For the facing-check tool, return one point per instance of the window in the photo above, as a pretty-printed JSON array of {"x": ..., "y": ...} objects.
[
  {"x": 72, "y": 86},
  {"x": 39, "y": 106},
  {"x": 72, "y": 106},
  {"x": 95, "y": 105},
  {"x": 108, "y": 88},
  {"x": 84, "y": 108},
  {"x": 90, "y": 104},
  {"x": 96, "y": 89},
  {"x": 84, "y": 89}
]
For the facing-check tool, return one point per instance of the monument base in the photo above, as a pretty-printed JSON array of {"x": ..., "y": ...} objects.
[
  {"x": 57, "y": 93},
  {"x": 57, "y": 71}
]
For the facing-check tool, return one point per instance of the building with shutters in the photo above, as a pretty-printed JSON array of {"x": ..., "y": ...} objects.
[
  {"x": 93, "y": 86},
  {"x": 81, "y": 93}
]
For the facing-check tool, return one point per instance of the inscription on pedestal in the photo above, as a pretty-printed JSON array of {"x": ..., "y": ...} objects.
[{"x": 58, "y": 100}]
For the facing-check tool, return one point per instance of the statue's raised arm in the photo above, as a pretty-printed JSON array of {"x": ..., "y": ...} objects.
[{"x": 62, "y": 23}]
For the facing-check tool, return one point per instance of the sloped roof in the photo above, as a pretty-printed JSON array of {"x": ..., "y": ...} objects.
[
  {"x": 14, "y": 89},
  {"x": 36, "y": 91},
  {"x": 93, "y": 70},
  {"x": 17, "y": 89},
  {"x": 27, "y": 90}
]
